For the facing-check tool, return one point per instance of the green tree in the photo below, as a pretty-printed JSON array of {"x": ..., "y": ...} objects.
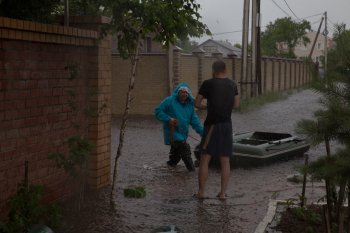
[
  {"x": 187, "y": 45},
  {"x": 89, "y": 7},
  {"x": 284, "y": 32},
  {"x": 33, "y": 10},
  {"x": 339, "y": 59},
  {"x": 332, "y": 123},
  {"x": 238, "y": 45},
  {"x": 133, "y": 21}
]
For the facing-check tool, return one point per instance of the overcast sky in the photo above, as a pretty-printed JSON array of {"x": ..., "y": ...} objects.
[{"x": 226, "y": 15}]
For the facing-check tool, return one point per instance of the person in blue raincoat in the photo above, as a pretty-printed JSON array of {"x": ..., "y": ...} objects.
[{"x": 177, "y": 113}]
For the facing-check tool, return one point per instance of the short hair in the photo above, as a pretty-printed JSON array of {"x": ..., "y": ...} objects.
[{"x": 219, "y": 67}]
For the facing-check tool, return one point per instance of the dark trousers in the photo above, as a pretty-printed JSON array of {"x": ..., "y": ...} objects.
[{"x": 180, "y": 150}]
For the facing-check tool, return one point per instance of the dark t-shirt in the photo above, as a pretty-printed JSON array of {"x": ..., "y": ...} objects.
[{"x": 220, "y": 93}]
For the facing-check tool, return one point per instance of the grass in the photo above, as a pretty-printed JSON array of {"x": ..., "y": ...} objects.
[{"x": 252, "y": 103}]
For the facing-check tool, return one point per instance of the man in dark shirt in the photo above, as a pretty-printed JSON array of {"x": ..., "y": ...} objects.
[{"x": 222, "y": 95}]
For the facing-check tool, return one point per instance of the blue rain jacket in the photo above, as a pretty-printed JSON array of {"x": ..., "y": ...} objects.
[{"x": 171, "y": 107}]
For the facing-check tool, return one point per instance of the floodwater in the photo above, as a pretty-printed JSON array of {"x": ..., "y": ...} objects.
[{"x": 169, "y": 191}]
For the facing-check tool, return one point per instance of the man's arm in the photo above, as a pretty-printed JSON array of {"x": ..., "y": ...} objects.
[
  {"x": 198, "y": 102},
  {"x": 236, "y": 101},
  {"x": 196, "y": 124}
]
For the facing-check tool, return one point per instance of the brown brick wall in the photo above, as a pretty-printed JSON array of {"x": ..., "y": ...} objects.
[
  {"x": 207, "y": 63},
  {"x": 189, "y": 72},
  {"x": 237, "y": 72},
  {"x": 228, "y": 63},
  {"x": 37, "y": 94},
  {"x": 192, "y": 69},
  {"x": 151, "y": 84}
]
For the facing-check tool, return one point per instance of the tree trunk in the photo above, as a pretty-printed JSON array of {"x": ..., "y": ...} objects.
[
  {"x": 341, "y": 221},
  {"x": 348, "y": 207},
  {"x": 341, "y": 196},
  {"x": 326, "y": 218},
  {"x": 328, "y": 185},
  {"x": 302, "y": 203},
  {"x": 134, "y": 62}
]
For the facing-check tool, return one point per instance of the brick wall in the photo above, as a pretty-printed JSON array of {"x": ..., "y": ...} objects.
[
  {"x": 276, "y": 75},
  {"x": 189, "y": 71},
  {"x": 151, "y": 83},
  {"x": 36, "y": 96}
]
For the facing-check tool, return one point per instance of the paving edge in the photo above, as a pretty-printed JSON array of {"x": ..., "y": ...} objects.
[{"x": 271, "y": 211}]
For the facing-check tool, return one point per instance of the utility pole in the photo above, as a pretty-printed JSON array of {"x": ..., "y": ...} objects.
[
  {"x": 258, "y": 48},
  {"x": 318, "y": 32},
  {"x": 253, "y": 80},
  {"x": 66, "y": 13},
  {"x": 325, "y": 45},
  {"x": 245, "y": 35}
]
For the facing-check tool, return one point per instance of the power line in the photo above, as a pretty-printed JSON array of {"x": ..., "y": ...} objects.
[
  {"x": 313, "y": 15},
  {"x": 281, "y": 8},
  {"x": 223, "y": 33},
  {"x": 306, "y": 17},
  {"x": 291, "y": 9},
  {"x": 331, "y": 22},
  {"x": 236, "y": 31}
]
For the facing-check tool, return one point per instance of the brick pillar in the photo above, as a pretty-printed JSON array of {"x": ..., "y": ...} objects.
[
  {"x": 176, "y": 66},
  {"x": 232, "y": 56},
  {"x": 295, "y": 73},
  {"x": 99, "y": 83},
  {"x": 290, "y": 74},
  {"x": 285, "y": 63},
  {"x": 265, "y": 73},
  {"x": 200, "y": 56},
  {"x": 273, "y": 75},
  {"x": 299, "y": 71},
  {"x": 304, "y": 70},
  {"x": 279, "y": 74}
]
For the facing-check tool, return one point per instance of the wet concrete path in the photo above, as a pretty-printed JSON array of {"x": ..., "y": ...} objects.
[{"x": 169, "y": 191}]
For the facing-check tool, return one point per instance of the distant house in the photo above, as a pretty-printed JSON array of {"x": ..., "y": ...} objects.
[
  {"x": 149, "y": 46},
  {"x": 213, "y": 46},
  {"x": 302, "y": 51}
]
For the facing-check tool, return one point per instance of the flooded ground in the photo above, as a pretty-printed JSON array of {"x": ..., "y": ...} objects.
[{"x": 169, "y": 191}]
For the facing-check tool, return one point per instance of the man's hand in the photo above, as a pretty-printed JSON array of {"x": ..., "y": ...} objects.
[{"x": 173, "y": 122}]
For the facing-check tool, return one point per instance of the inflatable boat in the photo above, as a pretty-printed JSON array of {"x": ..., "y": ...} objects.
[{"x": 261, "y": 148}]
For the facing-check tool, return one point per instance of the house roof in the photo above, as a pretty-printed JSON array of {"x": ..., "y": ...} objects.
[{"x": 236, "y": 51}]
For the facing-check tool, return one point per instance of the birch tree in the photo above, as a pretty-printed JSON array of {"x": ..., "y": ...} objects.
[{"x": 132, "y": 22}]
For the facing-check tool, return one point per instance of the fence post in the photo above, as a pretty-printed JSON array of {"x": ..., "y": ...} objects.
[
  {"x": 200, "y": 55},
  {"x": 299, "y": 79},
  {"x": 285, "y": 75},
  {"x": 279, "y": 74},
  {"x": 176, "y": 66},
  {"x": 265, "y": 72},
  {"x": 273, "y": 75},
  {"x": 99, "y": 131},
  {"x": 295, "y": 73}
]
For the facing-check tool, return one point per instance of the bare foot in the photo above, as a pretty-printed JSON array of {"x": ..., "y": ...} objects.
[
  {"x": 198, "y": 196},
  {"x": 222, "y": 197}
]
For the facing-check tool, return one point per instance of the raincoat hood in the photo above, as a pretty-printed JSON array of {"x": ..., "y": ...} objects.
[{"x": 189, "y": 94}]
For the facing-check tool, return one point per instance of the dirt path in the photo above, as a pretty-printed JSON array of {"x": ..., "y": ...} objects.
[{"x": 168, "y": 199}]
